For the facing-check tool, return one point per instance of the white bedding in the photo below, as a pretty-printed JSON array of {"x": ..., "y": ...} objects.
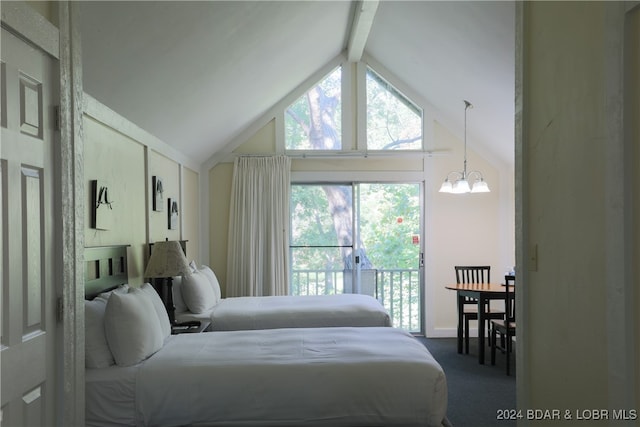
[
  {"x": 270, "y": 312},
  {"x": 110, "y": 396},
  {"x": 281, "y": 377}
]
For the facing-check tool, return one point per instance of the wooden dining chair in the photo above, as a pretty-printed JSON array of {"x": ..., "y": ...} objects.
[
  {"x": 506, "y": 328},
  {"x": 475, "y": 274}
]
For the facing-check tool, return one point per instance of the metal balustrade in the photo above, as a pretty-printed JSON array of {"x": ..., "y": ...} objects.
[{"x": 398, "y": 290}]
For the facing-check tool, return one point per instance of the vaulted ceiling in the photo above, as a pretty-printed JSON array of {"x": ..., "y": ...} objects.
[{"x": 195, "y": 74}]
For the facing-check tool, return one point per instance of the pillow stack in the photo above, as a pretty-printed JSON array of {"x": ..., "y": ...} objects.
[
  {"x": 97, "y": 353},
  {"x": 200, "y": 290},
  {"x": 125, "y": 326}
]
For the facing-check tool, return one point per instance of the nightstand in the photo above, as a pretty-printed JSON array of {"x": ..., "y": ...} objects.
[{"x": 189, "y": 327}]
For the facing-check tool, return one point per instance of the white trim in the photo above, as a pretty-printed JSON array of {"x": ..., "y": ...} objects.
[
  {"x": 299, "y": 177},
  {"x": 72, "y": 205},
  {"x": 428, "y": 250},
  {"x": 279, "y": 133},
  {"x": 205, "y": 214},
  {"x": 621, "y": 329},
  {"x": 349, "y": 103},
  {"x": 449, "y": 333},
  {"x": 148, "y": 194},
  {"x": 24, "y": 21},
  {"x": 360, "y": 107},
  {"x": 180, "y": 201},
  {"x": 523, "y": 379},
  {"x": 364, "y": 13}
]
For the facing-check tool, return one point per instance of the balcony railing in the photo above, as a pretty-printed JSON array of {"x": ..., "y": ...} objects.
[{"x": 397, "y": 290}]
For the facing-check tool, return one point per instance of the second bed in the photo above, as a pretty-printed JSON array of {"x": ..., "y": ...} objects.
[{"x": 193, "y": 300}]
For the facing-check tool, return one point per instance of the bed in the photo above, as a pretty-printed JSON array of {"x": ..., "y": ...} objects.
[
  {"x": 278, "y": 377},
  {"x": 271, "y": 312},
  {"x": 338, "y": 376},
  {"x": 197, "y": 298}
]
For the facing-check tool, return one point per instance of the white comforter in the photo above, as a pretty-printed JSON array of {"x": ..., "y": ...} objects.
[
  {"x": 282, "y": 377},
  {"x": 270, "y": 312}
]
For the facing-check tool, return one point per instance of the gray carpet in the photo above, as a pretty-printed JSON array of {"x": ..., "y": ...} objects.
[{"x": 476, "y": 392}]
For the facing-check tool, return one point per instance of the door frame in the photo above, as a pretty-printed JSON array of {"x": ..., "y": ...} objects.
[
  {"x": 382, "y": 177},
  {"x": 71, "y": 225},
  {"x": 63, "y": 45}
]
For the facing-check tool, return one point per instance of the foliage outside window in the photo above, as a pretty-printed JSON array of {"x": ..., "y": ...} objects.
[
  {"x": 393, "y": 121},
  {"x": 322, "y": 231},
  {"x": 314, "y": 121}
]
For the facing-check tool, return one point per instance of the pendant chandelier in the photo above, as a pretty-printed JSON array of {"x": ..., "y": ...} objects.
[{"x": 461, "y": 179}]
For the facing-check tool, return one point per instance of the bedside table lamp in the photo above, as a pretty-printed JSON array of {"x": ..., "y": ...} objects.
[{"x": 167, "y": 260}]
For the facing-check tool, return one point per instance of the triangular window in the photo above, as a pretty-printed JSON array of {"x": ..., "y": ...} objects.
[
  {"x": 314, "y": 121},
  {"x": 393, "y": 121}
]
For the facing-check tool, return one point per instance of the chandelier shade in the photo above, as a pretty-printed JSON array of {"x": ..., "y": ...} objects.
[{"x": 460, "y": 184}]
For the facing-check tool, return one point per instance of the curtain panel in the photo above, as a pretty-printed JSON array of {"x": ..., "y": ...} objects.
[{"x": 258, "y": 252}]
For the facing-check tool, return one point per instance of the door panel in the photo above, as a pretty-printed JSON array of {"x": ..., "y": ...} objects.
[
  {"x": 27, "y": 341},
  {"x": 389, "y": 218}
]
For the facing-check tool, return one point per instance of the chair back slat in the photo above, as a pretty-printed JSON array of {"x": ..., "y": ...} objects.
[
  {"x": 473, "y": 273},
  {"x": 509, "y": 300}
]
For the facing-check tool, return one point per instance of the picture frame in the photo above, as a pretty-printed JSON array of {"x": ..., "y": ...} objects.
[
  {"x": 172, "y": 214},
  {"x": 157, "y": 194},
  {"x": 101, "y": 203}
]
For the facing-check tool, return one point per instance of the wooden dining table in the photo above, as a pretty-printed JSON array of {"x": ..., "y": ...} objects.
[{"x": 483, "y": 293}]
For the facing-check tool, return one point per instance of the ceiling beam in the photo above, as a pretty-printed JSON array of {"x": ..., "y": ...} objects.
[{"x": 365, "y": 11}]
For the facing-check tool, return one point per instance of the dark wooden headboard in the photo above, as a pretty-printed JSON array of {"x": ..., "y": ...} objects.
[{"x": 105, "y": 269}]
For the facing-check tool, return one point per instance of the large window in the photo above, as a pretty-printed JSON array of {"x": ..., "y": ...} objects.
[
  {"x": 359, "y": 238},
  {"x": 393, "y": 121},
  {"x": 314, "y": 121}
]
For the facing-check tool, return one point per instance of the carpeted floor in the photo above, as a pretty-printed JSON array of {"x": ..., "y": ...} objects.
[{"x": 477, "y": 393}]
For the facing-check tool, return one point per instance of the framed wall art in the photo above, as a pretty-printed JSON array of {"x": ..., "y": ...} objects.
[
  {"x": 101, "y": 205},
  {"x": 173, "y": 214},
  {"x": 157, "y": 195}
]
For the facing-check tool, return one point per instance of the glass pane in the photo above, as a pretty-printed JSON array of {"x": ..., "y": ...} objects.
[
  {"x": 390, "y": 224},
  {"x": 321, "y": 238},
  {"x": 321, "y": 215},
  {"x": 393, "y": 121},
  {"x": 314, "y": 121},
  {"x": 386, "y": 235},
  {"x": 389, "y": 219}
]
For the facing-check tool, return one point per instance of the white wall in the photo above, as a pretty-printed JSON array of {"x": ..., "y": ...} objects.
[
  {"x": 459, "y": 229},
  {"x": 578, "y": 331},
  {"x": 127, "y": 157}
]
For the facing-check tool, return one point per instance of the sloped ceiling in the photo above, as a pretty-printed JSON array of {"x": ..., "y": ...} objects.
[{"x": 195, "y": 74}]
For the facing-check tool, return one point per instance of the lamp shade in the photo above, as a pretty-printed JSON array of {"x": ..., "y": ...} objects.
[
  {"x": 480, "y": 187},
  {"x": 167, "y": 260},
  {"x": 446, "y": 187},
  {"x": 461, "y": 186}
]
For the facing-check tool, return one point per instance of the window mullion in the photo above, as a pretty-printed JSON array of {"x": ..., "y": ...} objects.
[{"x": 360, "y": 106}]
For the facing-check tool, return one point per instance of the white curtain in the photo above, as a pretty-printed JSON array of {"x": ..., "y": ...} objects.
[{"x": 258, "y": 255}]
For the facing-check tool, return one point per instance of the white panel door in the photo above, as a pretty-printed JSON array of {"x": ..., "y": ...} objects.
[{"x": 27, "y": 323}]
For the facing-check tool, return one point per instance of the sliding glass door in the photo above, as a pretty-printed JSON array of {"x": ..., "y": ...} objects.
[{"x": 360, "y": 238}]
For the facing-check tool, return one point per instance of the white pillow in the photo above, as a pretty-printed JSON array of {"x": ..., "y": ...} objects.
[
  {"x": 123, "y": 289},
  {"x": 213, "y": 281},
  {"x": 158, "y": 305},
  {"x": 197, "y": 292},
  {"x": 96, "y": 349},
  {"x": 132, "y": 327},
  {"x": 176, "y": 290}
]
